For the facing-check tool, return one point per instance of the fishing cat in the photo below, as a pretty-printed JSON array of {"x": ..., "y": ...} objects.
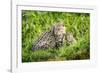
[{"x": 54, "y": 38}]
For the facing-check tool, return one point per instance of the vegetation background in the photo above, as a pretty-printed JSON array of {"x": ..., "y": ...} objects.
[{"x": 34, "y": 23}]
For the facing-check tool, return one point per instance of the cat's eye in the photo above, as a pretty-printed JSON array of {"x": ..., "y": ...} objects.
[{"x": 58, "y": 28}]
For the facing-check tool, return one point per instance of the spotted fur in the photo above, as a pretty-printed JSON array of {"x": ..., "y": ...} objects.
[{"x": 54, "y": 38}]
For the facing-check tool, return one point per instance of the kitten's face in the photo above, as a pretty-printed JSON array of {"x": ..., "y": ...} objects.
[{"x": 60, "y": 30}]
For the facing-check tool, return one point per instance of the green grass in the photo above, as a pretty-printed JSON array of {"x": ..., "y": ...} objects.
[{"x": 34, "y": 23}]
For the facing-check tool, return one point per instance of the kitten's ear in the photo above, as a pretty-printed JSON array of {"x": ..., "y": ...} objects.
[{"x": 53, "y": 29}]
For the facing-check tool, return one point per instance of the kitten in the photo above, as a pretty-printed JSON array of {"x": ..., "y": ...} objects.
[{"x": 54, "y": 38}]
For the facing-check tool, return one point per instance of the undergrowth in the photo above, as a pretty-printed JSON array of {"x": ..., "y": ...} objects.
[{"x": 34, "y": 23}]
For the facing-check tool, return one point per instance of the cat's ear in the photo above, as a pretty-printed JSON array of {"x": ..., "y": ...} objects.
[{"x": 53, "y": 29}]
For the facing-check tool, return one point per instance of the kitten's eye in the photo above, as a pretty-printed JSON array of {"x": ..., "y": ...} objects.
[
  {"x": 63, "y": 25},
  {"x": 58, "y": 28}
]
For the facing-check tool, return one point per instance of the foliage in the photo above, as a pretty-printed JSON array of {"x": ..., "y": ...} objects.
[{"x": 34, "y": 23}]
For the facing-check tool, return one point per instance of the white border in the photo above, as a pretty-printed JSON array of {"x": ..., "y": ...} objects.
[{"x": 18, "y": 66}]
